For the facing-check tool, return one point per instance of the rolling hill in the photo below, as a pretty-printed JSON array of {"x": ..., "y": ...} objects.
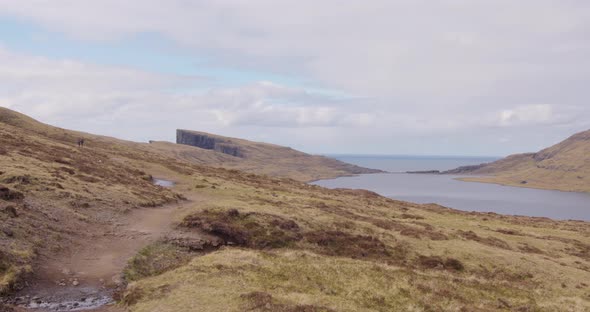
[
  {"x": 81, "y": 227},
  {"x": 564, "y": 166}
]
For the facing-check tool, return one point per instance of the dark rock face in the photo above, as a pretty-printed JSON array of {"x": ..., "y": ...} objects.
[
  {"x": 228, "y": 149},
  {"x": 207, "y": 142}
]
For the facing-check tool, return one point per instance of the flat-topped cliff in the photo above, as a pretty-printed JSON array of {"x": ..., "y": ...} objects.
[
  {"x": 256, "y": 157},
  {"x": 207, "y": 141}
]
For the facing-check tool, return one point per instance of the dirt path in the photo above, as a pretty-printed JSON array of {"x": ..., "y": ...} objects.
[{"x": 84, "y": 278}]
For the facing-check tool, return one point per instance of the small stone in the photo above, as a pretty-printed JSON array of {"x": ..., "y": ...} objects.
[
  {"x": 117, "y": 281},
  {"x": 8, "y": 232},
  {"x": 75, "y": 283},
  {"x": 11, "y": 211}
]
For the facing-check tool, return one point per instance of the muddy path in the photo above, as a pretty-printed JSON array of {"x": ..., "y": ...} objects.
[{"x": 86, "y": 277}]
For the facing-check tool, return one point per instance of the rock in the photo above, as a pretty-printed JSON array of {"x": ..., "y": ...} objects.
[
  {"x": 11, "y": 211},
  {"x": 8, "y": 194},
  {"x": 75, "y": 283},
  {"x": 503, "y": 304},
  {"x": 205, "y": 141},
  {"x": 117, "y": 281},
  {"x": 5, "y": 308},
  {"x": 8, "y": 232}
]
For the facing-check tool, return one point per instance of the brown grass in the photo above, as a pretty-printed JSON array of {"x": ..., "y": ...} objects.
[
  {"x": 563, "y": 166},
  {"x": 490, "y": 241},
  {"x": 345, "y": 250},
  {"x": 254, "y": 230},
  {"x": 155, "y": 259},
  {"x": 436, "y": 262},
  {"x": 342, "y": 244},
  {"x": 264, "y": 302}
]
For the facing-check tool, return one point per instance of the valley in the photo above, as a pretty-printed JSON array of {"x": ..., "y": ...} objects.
[{"x": 223, "y": 239}]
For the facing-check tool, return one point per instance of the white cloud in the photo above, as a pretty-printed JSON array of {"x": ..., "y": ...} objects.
[
  {"x": 542, "y": 113},
  {"x": 446, "y": 48},
  {"x": 68, "y": 92},
  {"x": 412, "y": 68}
]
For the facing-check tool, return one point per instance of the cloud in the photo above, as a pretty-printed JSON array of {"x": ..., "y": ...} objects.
[
  {"x": 69, "y": 92},
  {"x": 527, "y": 114},
  {"x": 418, "y": 69},
  {"x": 386, "y": 48}
]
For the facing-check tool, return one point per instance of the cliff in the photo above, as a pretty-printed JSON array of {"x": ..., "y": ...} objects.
[
  {"x": 256, "y": 157},
  {"x": 564, "y": 166},
  {"x": 209, "y": 142}
]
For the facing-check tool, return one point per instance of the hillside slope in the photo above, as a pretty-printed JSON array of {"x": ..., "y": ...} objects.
[
  {"x": 564, "y": 166},
  {"x": 260, "y": 158},
  {"x": 238, "y": 241}
]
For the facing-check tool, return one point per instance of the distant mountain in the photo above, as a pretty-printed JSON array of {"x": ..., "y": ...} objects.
[
  {"x": 564, "y": 166},
  {"x": 256, "y": 157}
]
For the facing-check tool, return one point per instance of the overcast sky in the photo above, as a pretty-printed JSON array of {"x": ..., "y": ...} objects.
[{"x": 448, "y": 77}]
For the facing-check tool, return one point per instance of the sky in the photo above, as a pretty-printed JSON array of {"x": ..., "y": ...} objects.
[{"x": 411, "y": 77}]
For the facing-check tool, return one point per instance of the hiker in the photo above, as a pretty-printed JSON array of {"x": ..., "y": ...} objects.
[{"x": 81, "y": 143}]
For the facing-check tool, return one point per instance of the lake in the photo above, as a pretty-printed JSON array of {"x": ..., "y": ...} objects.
[{"x": 447, "y": 191}]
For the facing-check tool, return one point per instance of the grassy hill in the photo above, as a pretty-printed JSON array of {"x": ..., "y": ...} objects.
[
  {"x": 246, "y": 242},
  {"x": 564, "y": 166}
]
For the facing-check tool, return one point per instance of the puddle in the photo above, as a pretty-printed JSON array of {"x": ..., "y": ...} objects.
[
  {"x": 74, "y": 305},
  {"x": 163, "y": 183},
  {"x": 78, "y": 299}
]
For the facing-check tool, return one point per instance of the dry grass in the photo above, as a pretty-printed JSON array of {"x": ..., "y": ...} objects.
[
  {"x": 296, "y": 247},
  {"x": 564, "y": 166},
  {"x": 353, "y": 256},
  {"x": 155, "y": 259},
  {"x": 254, "y": 230}
]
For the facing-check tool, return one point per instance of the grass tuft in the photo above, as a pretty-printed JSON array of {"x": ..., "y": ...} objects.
[
  {"x": 342, "y": 244},
  {"x": 155, "y": 259},
  {"x": 264, "y": 302},
  {"x": 253, "y": 230}
]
